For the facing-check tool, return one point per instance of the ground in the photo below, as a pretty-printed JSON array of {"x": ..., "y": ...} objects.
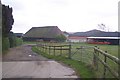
[{"x": 22, "y": 62}]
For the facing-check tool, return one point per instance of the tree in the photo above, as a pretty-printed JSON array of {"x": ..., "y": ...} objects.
[
  {"x": 103, "y": 27},
  {"x": 7, "y": 20},
  {"x": 60, "y": 38}
]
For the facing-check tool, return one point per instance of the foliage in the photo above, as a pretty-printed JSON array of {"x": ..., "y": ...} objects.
[
  {"x": 19, "y": 41},
  {"x": 60, "y": 38},
  {"x": 12, "y": 39},
  {"x": 5, "y": 43},
  {"x": 7, "y": 20}
]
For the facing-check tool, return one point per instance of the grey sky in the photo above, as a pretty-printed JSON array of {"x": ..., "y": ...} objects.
[{"x": 68, "y": 15}]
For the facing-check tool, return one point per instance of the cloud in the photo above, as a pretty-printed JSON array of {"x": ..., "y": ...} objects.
[{"x": 69, "y": 15}]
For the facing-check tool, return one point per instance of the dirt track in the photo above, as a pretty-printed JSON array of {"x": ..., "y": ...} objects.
[
  {"x": 18, "y": 64},
  {"x": 22, "y": 53}
]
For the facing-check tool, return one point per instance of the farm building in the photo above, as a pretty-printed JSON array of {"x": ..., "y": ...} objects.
[
  {"x": 46, "y": 33},
  {"x": 104, "y": 38},
  {"x": 77, "y": 39},
  {"x": 81, "y": 36},
  {"x": 96, "y": 37},
  {"x": 19, "y": 35}
]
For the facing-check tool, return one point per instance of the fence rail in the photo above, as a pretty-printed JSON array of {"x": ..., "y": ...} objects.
[
  {"x": 103, "y": 61},
  {"x": 55, "y": 48},
  {"x": 95, "y": 56},
  {"x": 98, "y": 51}
]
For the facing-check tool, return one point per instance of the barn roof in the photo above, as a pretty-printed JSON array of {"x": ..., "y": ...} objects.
[
  {"x": 96, "y": 33},
  {"x": 103, "y": 37},
  {"x": 18, "y": 34},
  {"x": 43, "y": 32}
]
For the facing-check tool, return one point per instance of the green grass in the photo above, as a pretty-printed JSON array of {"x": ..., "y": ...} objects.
[
  {"x": 111, "y": 49},
  {"x": 82, "y": 70},
  {"x": 86, "y": 56}
]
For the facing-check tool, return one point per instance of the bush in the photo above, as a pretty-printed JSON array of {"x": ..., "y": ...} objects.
[
  {"x": 12, "y": 39},
  {"x": 60, "y": 38},
  {"x": 5, "y": 44},
  {"x": 19, "y": 41}
]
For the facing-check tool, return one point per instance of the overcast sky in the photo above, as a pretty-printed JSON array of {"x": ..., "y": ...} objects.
[{"x": 68, "y": 15}]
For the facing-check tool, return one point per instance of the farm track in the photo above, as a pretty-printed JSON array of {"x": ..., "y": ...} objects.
[
  {"x": 23, "y": 53},
  {"x": 22, "y": 62}
]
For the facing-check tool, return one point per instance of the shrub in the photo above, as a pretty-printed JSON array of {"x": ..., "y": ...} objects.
[
  {"x": 12, "y": 39},
  {"x": 5, "y": 44},
  {"x": 19, "y": 41},
  {"x": 60, "y": 38}
]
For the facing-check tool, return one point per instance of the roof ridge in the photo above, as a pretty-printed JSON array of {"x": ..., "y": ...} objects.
[{"x": 45, "y": 27}]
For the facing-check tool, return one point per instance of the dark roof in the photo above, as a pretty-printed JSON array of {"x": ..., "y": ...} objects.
[
  {"x": 96, "y": 33},
  {"x": 18, "y": 34},
  {"x": 65, "y": 32},
  {"x": 43, "y": 32}
]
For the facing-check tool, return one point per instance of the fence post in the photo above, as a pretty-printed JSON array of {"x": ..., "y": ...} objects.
[
  {"x": 69, "y": 51},
  {"x": 95, "y": 61},
  {"x": 45, "y": 48},
  {"x": 105, "y": 60},
  {"x": 54, "y": 50},
  {"x": 49, "y": 50},
  {"x": 81, "y": 47},
  {"x": 60, "y": 50},
  {"x": 42, "y": 48}
]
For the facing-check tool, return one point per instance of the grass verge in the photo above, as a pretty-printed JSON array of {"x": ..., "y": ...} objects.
[{"x": 81, "y": 69}]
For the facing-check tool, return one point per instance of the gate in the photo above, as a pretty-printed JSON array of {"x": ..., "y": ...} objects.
[{"x": 83, "y": 53}]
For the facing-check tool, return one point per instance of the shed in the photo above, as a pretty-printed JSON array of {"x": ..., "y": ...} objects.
[
  {"x": 103, "y": 40},
  {"x": 19, "y": 35},
  {"x": 45, "y": 33}
]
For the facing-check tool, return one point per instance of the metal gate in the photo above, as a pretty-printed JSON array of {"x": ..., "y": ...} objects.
[{"x": 83, "y": 53}]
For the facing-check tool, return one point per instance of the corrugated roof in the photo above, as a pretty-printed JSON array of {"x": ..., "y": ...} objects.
[
  {"x": 18, "y": 34},
  {"x": 103, "y": 37},
  {"x": 97, "y": 33},
  {"x": 43, "y": 32}
]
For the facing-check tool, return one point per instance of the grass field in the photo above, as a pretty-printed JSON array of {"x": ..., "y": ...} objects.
[{"x": 86, "y": 56}]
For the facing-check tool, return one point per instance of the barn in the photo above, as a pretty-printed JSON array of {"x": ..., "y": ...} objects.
[
  {"x": 105, "y": 38},
  {"x": 45, "y": 33},
  {"x": 96, "y": 37},
  {"x": 81, "y": 36},
  {"x": 19, "y": 35},
  {"x": 77, "y": 39}
]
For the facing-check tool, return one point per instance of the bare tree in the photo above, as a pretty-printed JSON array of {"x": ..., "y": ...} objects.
[{"x": 103, "y": 27}]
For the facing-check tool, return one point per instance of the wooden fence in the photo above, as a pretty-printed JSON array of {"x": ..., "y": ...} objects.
[
  {"x": 54, "y": 48},
  {"x": 96, "y": 58}
]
